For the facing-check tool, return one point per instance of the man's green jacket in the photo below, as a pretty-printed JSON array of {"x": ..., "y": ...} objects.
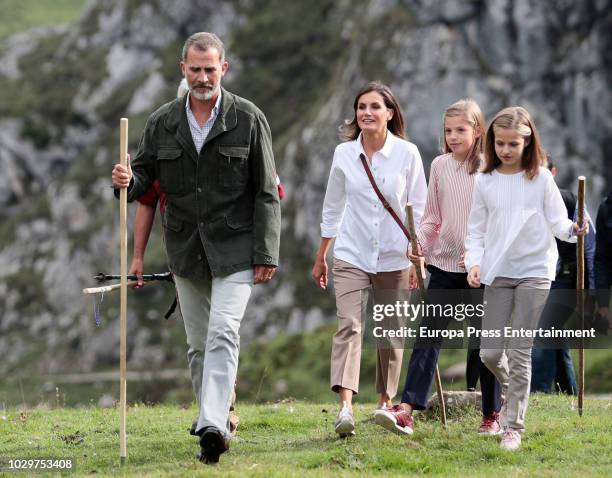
[{"x": 223, "y": 209}]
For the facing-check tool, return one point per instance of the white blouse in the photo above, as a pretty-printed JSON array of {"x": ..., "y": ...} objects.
[
  {"x": 366, "y": 234},
  {"x": 512, "y": 224}
]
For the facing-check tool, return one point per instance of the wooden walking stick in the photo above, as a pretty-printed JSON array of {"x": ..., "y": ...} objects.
[
  {"x": 123, "y": 148},
  {"x": 580, "y": 289},
  {"x": 420, "y": 273}
]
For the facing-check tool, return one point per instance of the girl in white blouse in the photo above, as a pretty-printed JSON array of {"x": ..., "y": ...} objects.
[
  {"x": 370, "y": 248},
  {"x": 516, "y": 211}
]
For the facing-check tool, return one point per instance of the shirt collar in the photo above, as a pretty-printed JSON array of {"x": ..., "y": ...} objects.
[
  {"x": 215, "y": 109},
  {"x": 385, "y": 150}
]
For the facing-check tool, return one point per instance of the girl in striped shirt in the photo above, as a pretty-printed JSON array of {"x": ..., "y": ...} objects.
[{"x": 442, "y": 235}]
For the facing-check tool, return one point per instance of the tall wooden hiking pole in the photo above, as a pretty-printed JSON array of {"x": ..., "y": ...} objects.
[
  {"x": 580, "y": 288},
  {"x": 412, "y": 231},
  {"x": 123, "y": 295}
]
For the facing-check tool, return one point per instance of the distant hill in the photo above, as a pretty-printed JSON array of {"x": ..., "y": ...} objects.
[{"x": 22, "y": 15}]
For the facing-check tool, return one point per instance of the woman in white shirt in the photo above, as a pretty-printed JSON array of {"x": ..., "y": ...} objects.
[
  {"x": 516, "y": 211},
  {"x": 370, "y": 248}
]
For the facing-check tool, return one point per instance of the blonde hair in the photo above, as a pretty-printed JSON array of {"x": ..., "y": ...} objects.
[
  {"x": 471, "y": 112},
  {"x": 518, "y": 119}
]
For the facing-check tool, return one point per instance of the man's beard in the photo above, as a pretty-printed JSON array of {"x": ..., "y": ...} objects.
[{"x": 207, "y": 95}]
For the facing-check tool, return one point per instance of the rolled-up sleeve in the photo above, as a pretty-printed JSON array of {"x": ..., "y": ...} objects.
[{"x": 335, "y": 200}]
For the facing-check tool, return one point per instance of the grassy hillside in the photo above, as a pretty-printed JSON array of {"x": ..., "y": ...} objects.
[
  {"x": 296, "y": 439},
  {"x": 287, "y": 366},
  {"x": 21, "y": 15},
  {"x": 298, "y": 366}
]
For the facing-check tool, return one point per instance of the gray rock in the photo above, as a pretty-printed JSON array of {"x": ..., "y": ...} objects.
[
  {"x": 106, "y": 401},
  {"x": 455, "y": 400}
]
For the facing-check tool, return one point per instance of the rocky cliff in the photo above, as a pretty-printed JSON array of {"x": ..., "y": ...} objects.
[{"x": 63, "y": 90}]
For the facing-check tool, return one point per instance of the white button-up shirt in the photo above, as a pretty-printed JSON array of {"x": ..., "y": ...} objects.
[
  {"x": 366, "y": 234},
  {"x": 512, "y": 225}
]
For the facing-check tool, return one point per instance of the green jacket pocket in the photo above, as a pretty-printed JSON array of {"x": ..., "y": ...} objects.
[
  {"x": 233, "y": 171},
  {"x": 170, "y": 170}
]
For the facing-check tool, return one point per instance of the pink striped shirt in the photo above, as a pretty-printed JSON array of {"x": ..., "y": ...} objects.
[{"x": 444, "y": 223}]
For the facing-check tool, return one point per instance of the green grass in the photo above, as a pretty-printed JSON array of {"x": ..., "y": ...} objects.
[
  {"x": 285, "y": 366},
  {"x": 296, "y": 439},
  {"x": 20, "y": 15}
]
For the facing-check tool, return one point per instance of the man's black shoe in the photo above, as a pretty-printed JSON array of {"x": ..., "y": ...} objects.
[
  {"x": 212, "y": 445},
  {"x": 234, "y": 421}
]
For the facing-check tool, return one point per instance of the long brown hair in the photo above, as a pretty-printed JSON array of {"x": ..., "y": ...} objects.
[
  {"x": 518, "y": 119},
  {"x": 350, "y": 130},
  {"x": 470, "y": 111}
]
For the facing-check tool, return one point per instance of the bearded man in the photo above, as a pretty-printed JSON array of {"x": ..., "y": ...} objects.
[{"x": 211, "y": 152}]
